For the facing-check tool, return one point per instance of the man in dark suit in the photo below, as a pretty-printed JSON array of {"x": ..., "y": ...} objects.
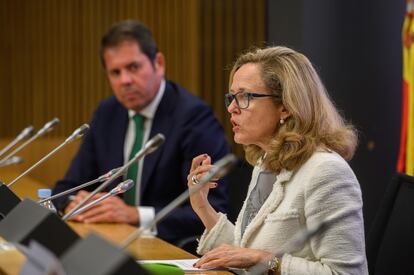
[{"x": 135, "y": 70}]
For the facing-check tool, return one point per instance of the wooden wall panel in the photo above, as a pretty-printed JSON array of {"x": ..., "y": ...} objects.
[
  {"x": 49, "y": 171},
  {"x": 49, "y": 63},
  {"x": 49, "y": 57},
  {"x": 227, "y": 29}
]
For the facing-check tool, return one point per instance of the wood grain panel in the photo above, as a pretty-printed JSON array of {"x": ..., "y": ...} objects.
[
  {"x": 49, "y": 53},
  {"x": 50, "y": 170},
  {"x": 227, "y": 29}
]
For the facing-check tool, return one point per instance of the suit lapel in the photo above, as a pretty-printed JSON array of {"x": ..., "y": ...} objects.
[
  {"x": 270, "y": 205},
  {"x": 117, "y": 132},
  {"x": 163, "y": 123}
]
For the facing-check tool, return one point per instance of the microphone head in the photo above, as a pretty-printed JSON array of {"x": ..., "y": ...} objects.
[
  {"x": 51, "y": 124},
  {"x": 15, "y": 160},
  {"x": 108, "y": 175},
  {"x": 126, "y": 185},
  {"x": 154, "y": 143},
  {"x": 48, "y": 126},
  {"x": 79, "y": 132},
  {"x": 114, "y": 171},
  {"x": 26, "y": 132},
  {"x": 225, "y": 164},
  {"x": 11, "y": 161},
  {"x": 123, "y": 187}
]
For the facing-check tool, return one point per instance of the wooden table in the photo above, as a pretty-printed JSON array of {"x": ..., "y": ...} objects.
[
  {"x": 145, "y": 248},
  {"x": 25, "y": 187}
]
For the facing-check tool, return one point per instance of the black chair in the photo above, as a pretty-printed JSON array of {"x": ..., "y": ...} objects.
[
  {"x": 239, "y": 179},
  {"x": 390, "y": 245}
]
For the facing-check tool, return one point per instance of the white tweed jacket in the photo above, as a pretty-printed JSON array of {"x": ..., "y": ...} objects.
[{"x": 324, "y": 186}]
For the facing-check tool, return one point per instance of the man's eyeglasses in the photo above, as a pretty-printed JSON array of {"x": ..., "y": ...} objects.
[{"x": 243, "y": 98}]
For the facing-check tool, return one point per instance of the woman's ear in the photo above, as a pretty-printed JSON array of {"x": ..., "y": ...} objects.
[{"x": 284, "y": 113}]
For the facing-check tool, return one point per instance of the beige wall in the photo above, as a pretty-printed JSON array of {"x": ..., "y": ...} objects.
[{"x": 49, "y": 65}]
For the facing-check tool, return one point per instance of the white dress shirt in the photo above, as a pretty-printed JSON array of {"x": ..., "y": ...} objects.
[{"x": 146, "y": 213}]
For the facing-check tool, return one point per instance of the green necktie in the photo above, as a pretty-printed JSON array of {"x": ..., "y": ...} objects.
[{"x": 129, "y": 196}]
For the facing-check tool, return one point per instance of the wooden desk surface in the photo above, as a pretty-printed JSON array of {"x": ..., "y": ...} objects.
[
  {"x": 145, "y": 248},
  {"x": 25, "y": 187}
]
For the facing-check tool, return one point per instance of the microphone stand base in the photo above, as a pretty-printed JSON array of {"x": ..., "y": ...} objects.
[
  {"x": 8, "y": 200},
  {"x": 31, "y": 221},
  {"x": 94, "y": 255}
]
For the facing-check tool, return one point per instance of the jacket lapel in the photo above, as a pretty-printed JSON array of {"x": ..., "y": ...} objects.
[
  {"x": 163, "y": 123},
  {"x": 270, "y": 205},
  {"x": 117, "y": 132}
]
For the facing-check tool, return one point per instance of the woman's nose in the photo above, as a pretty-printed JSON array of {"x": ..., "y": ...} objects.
[{"x": 233, "y": 107}]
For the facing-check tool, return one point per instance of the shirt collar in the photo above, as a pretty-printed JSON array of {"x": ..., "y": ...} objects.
[{"x": 149, "y": 110}]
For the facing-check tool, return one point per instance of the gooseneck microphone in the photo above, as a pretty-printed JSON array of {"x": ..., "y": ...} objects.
[
  {"x": 26, "y": 132},
  {"x": 119, "y": 189},
  {"x": 148, "y": 148},
  {"x": 220, "y": 169},
  {"x": 45, "y": 129},
  {"x": 100, "y": 179},
  {"x": 76, "y": 134},
  {"x": 11, "y": 161}
]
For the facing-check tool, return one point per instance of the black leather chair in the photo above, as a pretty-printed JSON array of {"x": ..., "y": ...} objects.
[
  {"x": 390, "y": 244},
  {"x": 239, "y": 179}
]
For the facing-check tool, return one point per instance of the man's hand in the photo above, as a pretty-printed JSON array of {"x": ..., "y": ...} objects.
[{"x": 112, "y": 209}]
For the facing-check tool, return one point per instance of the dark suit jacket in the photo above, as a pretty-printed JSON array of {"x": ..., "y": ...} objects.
[{"x": 190, "y": 129}]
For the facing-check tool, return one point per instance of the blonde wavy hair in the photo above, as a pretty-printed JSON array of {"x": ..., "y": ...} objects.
[{"x": 314, "y": 122}]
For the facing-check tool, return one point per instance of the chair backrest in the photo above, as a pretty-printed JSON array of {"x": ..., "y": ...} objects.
[
  {"x": 390, "y": 245},
  {"x": 239, "y": 179}
]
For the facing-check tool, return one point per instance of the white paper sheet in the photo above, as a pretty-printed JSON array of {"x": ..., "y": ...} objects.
[{"x": 185, "y": 264}]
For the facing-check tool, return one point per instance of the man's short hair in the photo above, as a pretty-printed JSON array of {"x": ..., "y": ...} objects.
[{"x": 129, "y": 30}]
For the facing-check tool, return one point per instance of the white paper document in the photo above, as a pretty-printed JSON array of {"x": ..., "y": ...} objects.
[{"x": 186, "y": 264}]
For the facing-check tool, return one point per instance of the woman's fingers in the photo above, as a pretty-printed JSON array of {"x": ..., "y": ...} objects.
[
  {"x": 202, "y": 169},
  {"x": 232, "y": 256},
  {"x": 197, "y": 161}
]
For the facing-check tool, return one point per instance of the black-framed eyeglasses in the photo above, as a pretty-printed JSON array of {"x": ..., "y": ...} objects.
[{"x": 243, "y": 98}]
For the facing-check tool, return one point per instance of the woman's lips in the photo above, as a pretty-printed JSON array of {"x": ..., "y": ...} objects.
[{"x": 235, "y": 126}]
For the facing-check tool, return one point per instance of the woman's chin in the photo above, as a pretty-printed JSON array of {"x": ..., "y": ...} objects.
[{"x": 239, "y": 140}]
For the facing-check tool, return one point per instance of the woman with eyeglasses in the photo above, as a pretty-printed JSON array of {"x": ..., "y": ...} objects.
[{"x": 303, "y": 210}]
